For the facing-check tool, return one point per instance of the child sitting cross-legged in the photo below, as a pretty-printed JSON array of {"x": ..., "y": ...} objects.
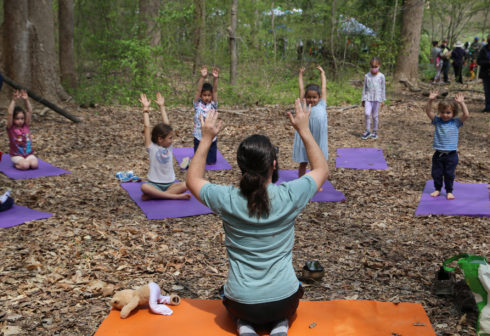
[
  {"x": 18, "y": 123},
  {"x": 161, "y": 176},
  {"x": 445, "y": 158}
]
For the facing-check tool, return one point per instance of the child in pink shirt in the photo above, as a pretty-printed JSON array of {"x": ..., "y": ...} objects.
[{"x": 18, "y": 122}]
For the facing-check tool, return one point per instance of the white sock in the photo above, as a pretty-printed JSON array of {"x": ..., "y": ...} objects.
[
  {"x": 281, "y": 328},
  {"x": 245, "y": 328},
  {"x": 4, "y": 197}
]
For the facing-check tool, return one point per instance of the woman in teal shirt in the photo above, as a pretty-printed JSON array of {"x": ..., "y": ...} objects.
[{"x": 258, "y": 220}]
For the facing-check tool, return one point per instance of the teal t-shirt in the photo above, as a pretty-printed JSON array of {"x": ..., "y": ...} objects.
[{"x": 260, "y": 249}]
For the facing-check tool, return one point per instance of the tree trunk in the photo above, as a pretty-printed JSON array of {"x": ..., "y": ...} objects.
[
  {"x": 66, "y": 53},
  {"x": 199, "y": 33},
  {"x": 149, "y": 10},
  {"x": 232, "y": 33},
  {"x": 45, "y": 78},
  {"x": 408, "y": 58},
  {"x": 274, "y": 33},
  {"x": 332, "y": 37},
  {"x": 16, "y": 41}
]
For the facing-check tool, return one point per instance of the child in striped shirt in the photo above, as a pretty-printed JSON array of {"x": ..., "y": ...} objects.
[{"x": 445, "y": 158}]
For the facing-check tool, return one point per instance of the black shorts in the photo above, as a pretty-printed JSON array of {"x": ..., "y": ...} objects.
[{"x": 264, "y": 313}]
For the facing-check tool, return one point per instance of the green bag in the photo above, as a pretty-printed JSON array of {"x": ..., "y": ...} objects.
[{"x": 477, "y": 276}]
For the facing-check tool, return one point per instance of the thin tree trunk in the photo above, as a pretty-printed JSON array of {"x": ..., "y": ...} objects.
[
  {"x": 45, "y": 75},
  {"x": 232, "y": 34},
  {"x": 149, "y": 11},
  {"x": 200, "y": 33},
  {"x": 66, "y": 53},
  {"x": 332, "y": 37},
  {"x": 395, "y": 11},
  {"x": 274, "y": 33},
  {"x": 408, "y": 57},
  {"x": 16, "y": 41}
]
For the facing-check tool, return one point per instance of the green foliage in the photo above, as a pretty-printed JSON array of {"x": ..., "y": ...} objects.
[{"x": 115, "y": 64}]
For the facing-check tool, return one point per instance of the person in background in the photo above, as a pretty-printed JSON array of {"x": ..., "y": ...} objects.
[
  {"x": 458, "y": 55},
  {"x": 435, "y": 59},
  {"x": 483, "y": 61},
  {"x": 445, "y": 55}
]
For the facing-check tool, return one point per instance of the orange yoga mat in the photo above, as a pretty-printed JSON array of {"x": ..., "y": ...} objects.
[{"x": 339, "y": 318}]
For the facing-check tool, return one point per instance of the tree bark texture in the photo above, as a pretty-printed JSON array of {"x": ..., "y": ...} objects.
[
  {"x": 66, "y": 50},
  {"x": 149, "y": 11},
  {"x": 16, "y": 41},
  {"x": 232, "y": 32},
  {"x": 408, "y": 56},
  {"x": 199, "y": 33},
  {"x": 45, "y": 71}
]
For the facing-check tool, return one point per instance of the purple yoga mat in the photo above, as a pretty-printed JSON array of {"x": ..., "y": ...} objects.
[
  {"x": 159, "y": 209},
  {"x": 329, "y": 193},
  {"x": 181, "y": 152},
  {"x": 44, "y": 169},
  {"x": 361, "y": 158},
  {"x": 19, "y": 214},
  {"x": 471, "y": 200}
]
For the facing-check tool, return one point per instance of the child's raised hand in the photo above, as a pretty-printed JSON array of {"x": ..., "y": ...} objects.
[
  {"x": 459, "y": 98},
  {"x": 16, "y": 95},
  {"x": 215, "y": 72},
  {"x": 433, "y": 94},
  {"x": 144, "y": 101},
  {"x": 23, "y": 94},
  {"x": 301, "y": 70},
  {"x": 319, "y": 67},
  {"x": 160, "y": 100},
  {"x": 204, "y": 71},
  {"x": 211, "y": 126},
  {"x": 300, "y": 120}
]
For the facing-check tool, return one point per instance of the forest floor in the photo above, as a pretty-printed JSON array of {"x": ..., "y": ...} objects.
[{"x": 57, "y": 275}]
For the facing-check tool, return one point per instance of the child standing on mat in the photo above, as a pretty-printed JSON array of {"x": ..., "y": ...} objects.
[
  {"x": 373, "y": 97},
  {"x": 18, "y": 122},
  {"x": 445, "y": 158},
  {"x": 161, "y": 176},
  {"x": 205, "y": 99},
  {"x": 318, "y": 123}
]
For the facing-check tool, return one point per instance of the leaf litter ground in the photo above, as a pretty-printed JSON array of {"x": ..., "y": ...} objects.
[{"x": 58, "y": 274}]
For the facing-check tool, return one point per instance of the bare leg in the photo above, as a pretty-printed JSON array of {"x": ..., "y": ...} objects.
[
  {"x": 22, "y": 164},
  {"x": 435, "y": 193},
  {"x": 32, "y": 160},
  {"x": 176, "y": 191},
  {"x": 302, "y": 168},
  {"x": 450, "y": 196}
]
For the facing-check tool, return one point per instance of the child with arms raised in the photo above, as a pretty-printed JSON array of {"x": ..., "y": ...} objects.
[
  {"x": 445, "y": 158},
  {"x": 161, "y": 176},
  {"x": 318, "y": 123},
  {"x": 205, "y": 99},
  {"x": 18, "y": 122},
  {"x": 373, "y": 97}
]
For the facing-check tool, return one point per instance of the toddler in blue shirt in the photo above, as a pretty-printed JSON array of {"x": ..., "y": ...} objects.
[{"x": 445, "y": 158}]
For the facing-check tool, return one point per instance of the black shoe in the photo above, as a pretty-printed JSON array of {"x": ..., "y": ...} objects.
[{"x": 485, "y": 110}]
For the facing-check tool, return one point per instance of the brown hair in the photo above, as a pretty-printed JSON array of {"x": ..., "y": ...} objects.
[
  {"x": 161, "y": 130},
  {"x": 445, "y": 104},
  {"x": 375, "y": 59},
  {"x": 255, "y": 158}
]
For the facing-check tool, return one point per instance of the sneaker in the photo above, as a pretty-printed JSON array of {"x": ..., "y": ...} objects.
[
  {"x": 374, "y": 135},
  {"x": 125, "y": 176},
  {"x": 366, "y": 135},
  {"x": 185, "y": 163},
  {"x": 135, "y": 178}
]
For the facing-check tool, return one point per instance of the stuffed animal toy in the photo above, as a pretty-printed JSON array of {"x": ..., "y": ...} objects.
[{"x": 128, "y": 299}]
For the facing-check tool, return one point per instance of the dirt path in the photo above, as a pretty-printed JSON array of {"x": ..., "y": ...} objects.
[{"x": 372, "y": 246}]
